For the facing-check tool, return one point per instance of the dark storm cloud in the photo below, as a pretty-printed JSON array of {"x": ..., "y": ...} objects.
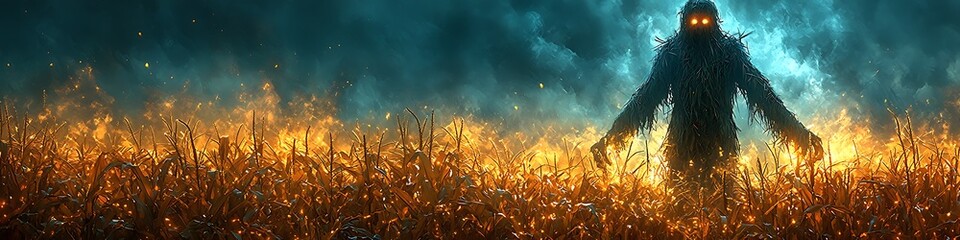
[
  {"x": 908, "y": 53},
  {"x": 876, "y": 54},
  {"x": 479, "y": 57},
  {"x": 374, "y": 56}
]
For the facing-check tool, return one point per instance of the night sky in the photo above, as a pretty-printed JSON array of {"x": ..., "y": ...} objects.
[{"x": 480, "y": 58}]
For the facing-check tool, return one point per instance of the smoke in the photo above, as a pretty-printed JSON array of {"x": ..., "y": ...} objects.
[
  {"x": 866, "y": 56},
  {"x": 483, "y": 58}
]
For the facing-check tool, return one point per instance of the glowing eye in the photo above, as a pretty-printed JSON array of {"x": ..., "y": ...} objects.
[
  {"x": 706, "y": 21},
  {"x": 694, "y": 21}
]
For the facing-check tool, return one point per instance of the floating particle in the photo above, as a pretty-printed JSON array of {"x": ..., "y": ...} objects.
[{"x": 146, "y": 65}]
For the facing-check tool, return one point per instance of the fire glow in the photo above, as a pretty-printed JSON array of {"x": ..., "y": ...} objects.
[{"x": 304, "y": 173}]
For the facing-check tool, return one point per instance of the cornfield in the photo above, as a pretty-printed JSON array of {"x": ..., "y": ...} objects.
[{"x": 182, "y": 178}]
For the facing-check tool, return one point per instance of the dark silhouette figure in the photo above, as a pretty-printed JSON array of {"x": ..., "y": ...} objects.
[{"x": 700, "y": 70}]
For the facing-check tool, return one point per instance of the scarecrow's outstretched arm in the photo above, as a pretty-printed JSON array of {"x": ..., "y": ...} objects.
[
  {"x": 767, "y": 106},
  {"x": 640, "y": 111}
]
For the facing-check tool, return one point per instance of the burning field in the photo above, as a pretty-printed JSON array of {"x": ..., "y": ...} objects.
[{"x": 193, "y": 169}]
